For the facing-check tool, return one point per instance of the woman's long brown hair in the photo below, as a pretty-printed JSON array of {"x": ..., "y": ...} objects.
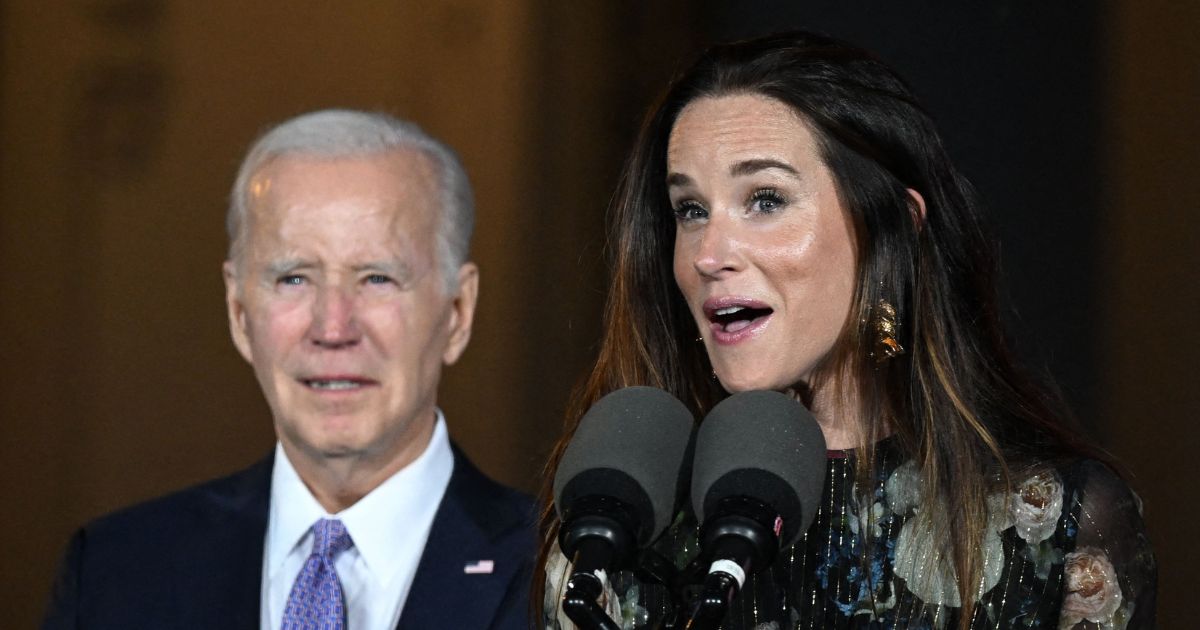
[{"x": 956, "y": 401}]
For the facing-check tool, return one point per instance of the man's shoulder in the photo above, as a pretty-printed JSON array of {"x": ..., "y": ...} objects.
[
  {"x": 240, "y": 495},
  {"x": 195, "y": 554}
]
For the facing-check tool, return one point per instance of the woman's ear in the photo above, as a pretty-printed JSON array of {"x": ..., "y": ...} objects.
[{"x": 916, "y": 207}]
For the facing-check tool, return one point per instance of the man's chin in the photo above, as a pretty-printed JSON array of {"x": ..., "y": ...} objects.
[
  {"x": 328, "y": 447},
  {"x": 341, "y": 452},
  {"x": 340, "y": 446}
]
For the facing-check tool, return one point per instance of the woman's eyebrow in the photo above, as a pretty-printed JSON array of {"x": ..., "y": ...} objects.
[
  {"x": 678, "y": 179},
  {"x": 740, "y": 169},
  {"x": 749, "y": 167}
]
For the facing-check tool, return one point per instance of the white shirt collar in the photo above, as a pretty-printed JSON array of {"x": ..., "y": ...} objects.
[{"x": 413, "y": 492}]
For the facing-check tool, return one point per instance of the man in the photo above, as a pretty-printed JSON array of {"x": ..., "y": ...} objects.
[{"x": 347, "y": 287}]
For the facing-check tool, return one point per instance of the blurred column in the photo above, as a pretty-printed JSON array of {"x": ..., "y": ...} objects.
[{"x": 1151, "y": 293}]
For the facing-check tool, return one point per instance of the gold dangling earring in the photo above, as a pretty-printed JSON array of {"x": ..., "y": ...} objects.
[{"x": 884, "y": 325}]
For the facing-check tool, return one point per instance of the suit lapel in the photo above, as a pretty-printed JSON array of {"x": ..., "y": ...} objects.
[
  {"x": 472, "y": 527},
  {"x": 231, "y": 561}
]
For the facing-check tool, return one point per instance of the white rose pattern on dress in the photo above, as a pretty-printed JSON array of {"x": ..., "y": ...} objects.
[
  {"x": 867, "y": 521},
  {"x": 1092, "y": 592},
  {"x": 903, "y": 488},
  {"x": 933, "y": 578},
  {"x": 929, "y": 574},
  {"x": 1033, "y": 509},
  {"x": 1037, "y": 506}
]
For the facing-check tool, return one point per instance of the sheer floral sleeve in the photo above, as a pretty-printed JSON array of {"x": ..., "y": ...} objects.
[{"x": 1109, "y": 577}]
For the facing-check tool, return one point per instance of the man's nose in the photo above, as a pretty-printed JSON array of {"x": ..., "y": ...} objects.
[{"x": 334, "y": 321}]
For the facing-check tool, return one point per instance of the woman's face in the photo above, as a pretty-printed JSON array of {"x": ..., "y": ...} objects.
[{"x": 764, "y": 253}]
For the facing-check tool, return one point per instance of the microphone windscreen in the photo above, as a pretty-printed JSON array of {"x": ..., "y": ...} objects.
[
  {"x": 766, "y": 446},
  {"x": 629, "y": 446}
]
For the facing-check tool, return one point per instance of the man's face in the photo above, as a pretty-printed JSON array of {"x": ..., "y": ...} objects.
[{"x": 337, "y": 300}]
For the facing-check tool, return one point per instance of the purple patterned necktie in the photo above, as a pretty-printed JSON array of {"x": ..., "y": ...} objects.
[{"x": 316, "y": 602}]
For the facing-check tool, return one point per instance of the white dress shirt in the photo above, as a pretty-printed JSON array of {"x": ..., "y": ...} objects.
[{"x": 389, "y": 527}]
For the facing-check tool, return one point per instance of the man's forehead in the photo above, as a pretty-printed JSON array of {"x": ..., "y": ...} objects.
[
  {"x": 370, "y": 208},
  {"x": 403, "y": 182},
  {"x": 406, "y": 165}
]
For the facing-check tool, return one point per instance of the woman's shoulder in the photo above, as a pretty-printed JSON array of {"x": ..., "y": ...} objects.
[
  {"x": 1085, "y": 484},
  {"x": 1077, "y": 495},
  {"x": 1108, "y": 566}
]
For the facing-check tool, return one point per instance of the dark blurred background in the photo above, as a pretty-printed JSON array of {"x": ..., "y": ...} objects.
[{"x": 122, "y": 123}]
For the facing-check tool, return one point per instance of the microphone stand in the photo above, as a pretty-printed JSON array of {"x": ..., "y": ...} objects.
[
  {"x": 743, "y": 536},
  {"x": 715, "y": 596},
  {"x": 596, "y": 539},
  {"x": 584, "y": 588}
]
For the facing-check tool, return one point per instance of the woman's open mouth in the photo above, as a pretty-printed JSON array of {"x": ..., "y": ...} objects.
[{"x": 734, "y": 320}]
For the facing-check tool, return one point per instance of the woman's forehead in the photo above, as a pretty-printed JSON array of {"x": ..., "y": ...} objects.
[{"x": 736, "y": 128}]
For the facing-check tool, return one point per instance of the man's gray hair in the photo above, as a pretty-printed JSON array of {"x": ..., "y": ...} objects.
[{"x": 346, "y": 133}]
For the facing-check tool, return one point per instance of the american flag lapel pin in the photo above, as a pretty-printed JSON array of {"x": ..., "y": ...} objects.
[{"x": 480, "y": 567}]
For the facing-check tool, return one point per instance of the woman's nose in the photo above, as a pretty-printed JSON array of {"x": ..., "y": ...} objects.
[{"x": 716, "y": 253}]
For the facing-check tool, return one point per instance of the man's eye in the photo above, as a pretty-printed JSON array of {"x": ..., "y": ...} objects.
[
  {"x": 767, "y": 200},
  {"x": 377, "y": 278},
  {"x": 293, "y": 280},
  {"x": 690, "y": 211}
]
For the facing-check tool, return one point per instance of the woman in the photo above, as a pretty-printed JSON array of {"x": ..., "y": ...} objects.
[{"x": 789, "y": 220}]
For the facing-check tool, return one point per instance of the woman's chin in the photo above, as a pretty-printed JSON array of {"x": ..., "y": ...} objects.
[{"x": 735, "y": 383}]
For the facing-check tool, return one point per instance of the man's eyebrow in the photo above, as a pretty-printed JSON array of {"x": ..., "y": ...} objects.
[
  {"x": 287, "y": 265},
  {"x": 749, "y": 167},
  {"x": 393, "y": 267}
]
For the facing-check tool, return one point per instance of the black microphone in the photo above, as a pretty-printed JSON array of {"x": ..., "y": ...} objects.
[
  {"x": 756, "y": 481},
  {"x": 615, "y": 489}
]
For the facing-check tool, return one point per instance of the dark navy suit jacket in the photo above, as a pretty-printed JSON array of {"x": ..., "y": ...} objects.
[{"x": 194, "y": 559}]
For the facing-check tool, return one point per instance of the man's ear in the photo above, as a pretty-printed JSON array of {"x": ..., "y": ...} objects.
[
  {"x": 462, "y": 312},
  {"x": 236, "y": 310},
  {"x": 916, "y": 207}
]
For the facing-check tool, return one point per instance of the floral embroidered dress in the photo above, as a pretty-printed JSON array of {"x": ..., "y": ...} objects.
[{"x": 1067, "y": 550}]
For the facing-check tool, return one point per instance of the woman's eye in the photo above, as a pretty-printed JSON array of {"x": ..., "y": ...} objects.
[
  {"x": 690, "y": 211},
  {"x": 766, "y": 200}
]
